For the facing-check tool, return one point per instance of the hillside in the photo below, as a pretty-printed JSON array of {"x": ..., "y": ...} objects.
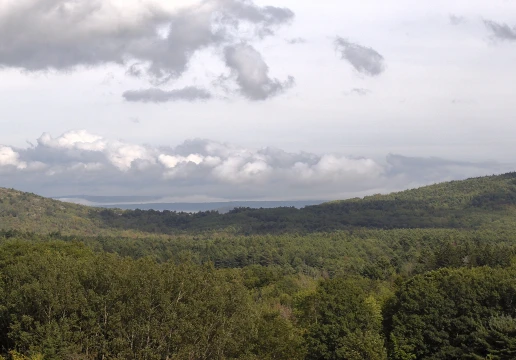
[
  {"x": 271, "y": 284},
  {"x": 484, "y": 191},
  {"x": 467, "y": 203},
  {"x": 470, "y": 204},
  {"x": 30, "y": 212}
]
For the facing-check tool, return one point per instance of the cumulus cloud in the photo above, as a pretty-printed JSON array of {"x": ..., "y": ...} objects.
[
  {"x": 81, "y": 140},
  {"x": 365, "y": 60},
  {"x": 252, "y": 73},
  {"x": 8, "y": 157},
  {"x": 501, "y": 31},
  {"x": 63, "y": 34},
  {"x": 80, "y": 148},
  {"x": 79, "y": 162},
  {"x": 156, "y": 95}
]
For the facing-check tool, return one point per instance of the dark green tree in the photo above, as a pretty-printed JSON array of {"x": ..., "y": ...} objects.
[{"x": 343, "y": 322}]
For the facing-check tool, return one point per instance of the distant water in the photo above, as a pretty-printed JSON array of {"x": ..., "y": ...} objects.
[{"x": 222, "y": 207}]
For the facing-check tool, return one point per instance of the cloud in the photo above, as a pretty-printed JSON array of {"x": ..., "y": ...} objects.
[
  {"x": 298, "y": 40},
  {"x": 62, "y": 34},
  {"x": 145, "y": 37},
  {"x": 268, "y": 17},
  {"x": 501, "y": 31},
  {"x": 424, "y": 170},
  {"x": 80, "y": 140},
  {"x": 252, "y": 73},
  {"x": 79, "y": 162},
  {"x": 457, "y": 20},
  {"x": 156, "y": 95},
  {"x": 8, "y": 157},
  {"x": 359, "y": 92},
  {"x": 365, "y": 60},
  {"x": 80, "y": 148}
]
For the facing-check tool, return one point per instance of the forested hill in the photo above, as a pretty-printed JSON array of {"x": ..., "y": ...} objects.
[
  {"x": 266, "y": 284},
  {"x": 488, "y": 191},
  {"x": 473, "y": 203},
  {"x": 30, "y": 212}
]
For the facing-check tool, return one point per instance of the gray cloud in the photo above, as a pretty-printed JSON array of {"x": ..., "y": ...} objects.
[
  {"x": 189, "y": 93},
  {"x": 298, "y": 40},
  {"x": 135, "y": 70},
  {"x": 501, "y": 31},
  {"x": 421, "y": 170},
  {"x": 269, "y": 17},
  {"x": 252, "y": 73},
  {"x": 78, "y": 162},
  {"x": 359, "y": 92},
  {"x": 365, "y": 60},
  {"x": 63, "y": 34},
  {"x": 457, "y": 20}
]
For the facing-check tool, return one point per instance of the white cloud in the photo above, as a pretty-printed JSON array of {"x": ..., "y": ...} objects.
[
  {"x": 211, "y": 167},
  {"x": 80, "y": 140},
  {"x": 8, "y": 157},
  {"x": 170, "y": 161},
  {"x": 241, "y": 170},
  {"x": 79, "y": 162},
  {"x": 332, "y": 168},
  {"x": 123, "y": 155}
]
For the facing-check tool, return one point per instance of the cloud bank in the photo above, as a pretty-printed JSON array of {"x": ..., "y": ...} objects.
[{"x": 79, "y": 162}]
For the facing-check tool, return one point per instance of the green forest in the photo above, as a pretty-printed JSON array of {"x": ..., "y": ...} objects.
[{"x": 428, "y": 273}]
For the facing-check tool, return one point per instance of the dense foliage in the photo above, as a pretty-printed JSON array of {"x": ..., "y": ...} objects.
[
  {"x": 423, "y": 274},
  {"x": 460, "y": 314},
  {"x": 65, "y": 301}
]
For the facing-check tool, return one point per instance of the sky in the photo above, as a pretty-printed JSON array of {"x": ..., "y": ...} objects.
[{"x": 254, "y": 100}]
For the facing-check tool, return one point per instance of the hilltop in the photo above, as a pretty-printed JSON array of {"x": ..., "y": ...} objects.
[
  {"x": 465, "y": 203},
  {"x": 29, "y": 212},
  {"x": 471, "y": 204}
]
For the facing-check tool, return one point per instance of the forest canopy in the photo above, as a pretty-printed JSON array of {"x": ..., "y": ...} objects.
[{"x": 428, "y": 273}]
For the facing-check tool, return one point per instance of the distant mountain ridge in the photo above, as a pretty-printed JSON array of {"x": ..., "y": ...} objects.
[{"x": 472, "y": 203}]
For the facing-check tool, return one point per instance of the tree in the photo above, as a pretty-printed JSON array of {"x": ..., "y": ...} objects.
[
  {"x": 455, "y": 314},
  {"x": 343, "y": 322}
]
